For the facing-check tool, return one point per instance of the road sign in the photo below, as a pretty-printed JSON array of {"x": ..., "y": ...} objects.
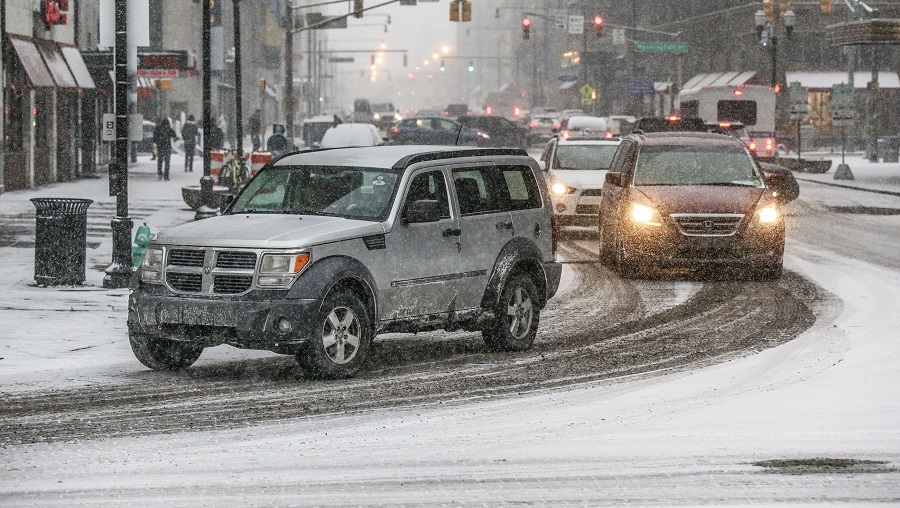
[
  {"x": 341, "y": 59},
  {"x": 313, "y": 18},
  {"x": 561, "y": 22},
  {"x": 660, "y": 47},
  {"x": 618, "y": 36},
  {"x": 587, "y": 95},
  {"x": 576, "y": 24},
  {"x": 799, "y": 101},
  {"x": 641, "y": 86},
  {"x": 842, "y": 111}
]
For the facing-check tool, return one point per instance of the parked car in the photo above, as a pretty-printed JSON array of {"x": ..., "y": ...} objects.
[
  {"x": 500, "y": 131},
  {"x": 326, "y": 249},
  {"x": 575, "y": 169},
  {"x": 543, "y": 127},
  {"x": 432, "y": 130},
  {"x": 351, "y": 134},
  {"x": 689, "y": 200}
]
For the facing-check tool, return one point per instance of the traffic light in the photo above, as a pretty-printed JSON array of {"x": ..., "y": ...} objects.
[
  {"x": 454, "y": 10},
  {"x": 443, "y": 68},
  {"x": 825, "y": 5},
  {"x": 598, "y": 25},
  {"x": 471, "y": 66},
  {"x": 405, "y": 60},
  {"x": 783, "y": 6},
  {"x": 526, "y": 28},
  {"x": 769, "y": 10},
  {"x": 357, "y": 8},
  {"x": 466, "y": 11}
]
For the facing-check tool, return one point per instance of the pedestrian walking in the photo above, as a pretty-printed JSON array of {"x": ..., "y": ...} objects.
[
  {"x": 278, "y": 142},
  {"x": 189, "y": 132},
  {"x": 255, "y": 129},
  {"x": 162, "y": 137}
]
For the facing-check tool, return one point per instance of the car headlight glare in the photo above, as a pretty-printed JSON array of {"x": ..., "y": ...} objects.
[
  {"x": 283, "y": 263},
  {"x": 644, "y": 214},
  {"x": 768, "y": 215},
  {"x": 377, "y": 116},
  {"x": 558, "y": 188}
]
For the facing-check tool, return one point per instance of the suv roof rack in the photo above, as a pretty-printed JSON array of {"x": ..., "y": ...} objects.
[{"x": 409, "y": 160}]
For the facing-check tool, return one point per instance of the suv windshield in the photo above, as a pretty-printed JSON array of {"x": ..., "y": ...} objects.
[
  {"x": 584, "y": 157},
  {"x": 695, "y": 165},
  {"x": 383, "y": 107},
  {"x": 352, "y": 193}
]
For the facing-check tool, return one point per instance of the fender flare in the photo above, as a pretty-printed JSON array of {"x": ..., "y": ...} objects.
[
  {"x": 517, "y": 255},
  {"x": 323, "y": 275}
]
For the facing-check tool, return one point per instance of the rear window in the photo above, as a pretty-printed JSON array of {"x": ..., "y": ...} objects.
[
  {"x": 584, "y": 157},
  {"x": 737, "y": 111}
]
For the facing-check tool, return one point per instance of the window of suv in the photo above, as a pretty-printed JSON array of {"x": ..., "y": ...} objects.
[
  {"x": 521, "y": 188},
  {"x": 432, "y": 186},
  {"x": 695, "y": 165},
  {"x": 475, "y": 192}
]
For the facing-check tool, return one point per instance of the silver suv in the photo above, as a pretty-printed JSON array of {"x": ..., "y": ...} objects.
[{"x": 324, "y": 250}]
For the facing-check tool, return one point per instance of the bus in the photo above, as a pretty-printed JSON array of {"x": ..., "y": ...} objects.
[
  {"x": 750, "y": 105},
  {"x": 509, "y": 104}
]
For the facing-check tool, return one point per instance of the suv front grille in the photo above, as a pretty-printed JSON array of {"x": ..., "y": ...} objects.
[
  {"x": 240, "y": 260},
  {"x": 210, "y": 271},
  {"x": 188, "y": 282},
  {"x": 709, "y": 224},
  {"x": 185, "y": 257},
  {"x": 591, "y": 192},
  {"x": 231, "y": 284}
]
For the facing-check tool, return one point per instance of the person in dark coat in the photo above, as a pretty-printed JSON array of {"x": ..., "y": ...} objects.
[
  {"x": 255, "y": 129},
  {"x": 189, "y": 132},
  {"x": 216, "y": 138},
  {"x": 278, "y": 142},
  {"x": 162, "y": 137}
]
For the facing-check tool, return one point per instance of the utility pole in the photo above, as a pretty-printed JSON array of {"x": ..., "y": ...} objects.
[
  {"x": 118, "y": 274},
  {"x": 206, "y": 182},
  {"x": 238, "y": 89},
  {"x": 289, "y": 71}
]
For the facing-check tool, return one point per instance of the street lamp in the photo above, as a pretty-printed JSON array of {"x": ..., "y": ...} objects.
[{"x": 768, "y": 38}]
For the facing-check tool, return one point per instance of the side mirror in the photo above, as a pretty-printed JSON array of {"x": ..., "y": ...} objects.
[
  {"x": 423, "y": 210},
  {"x": 614, "y": 178},
  {"x": 543, "y": 164}
]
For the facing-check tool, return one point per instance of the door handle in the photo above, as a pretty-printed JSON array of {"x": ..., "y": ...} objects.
[
  {"x": 505, "y": 225},
  {"x": 452, "y": 232}
]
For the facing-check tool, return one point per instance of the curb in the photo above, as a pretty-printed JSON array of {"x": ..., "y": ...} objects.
[{"x": 854, "y": 187}]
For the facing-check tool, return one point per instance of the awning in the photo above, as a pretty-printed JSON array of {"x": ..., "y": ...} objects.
[
  {"x": 824, "y": 80},
  {"x": 142, "y": 82},
  {"x": 567, "y": 85},
  {"x": 56, "y": 64},
  {"x": 77, "y": 66},
  {"x": 31, "y": 61},
  {"x": 732, "y": 78},
  {"x": 661, "y": 86}
]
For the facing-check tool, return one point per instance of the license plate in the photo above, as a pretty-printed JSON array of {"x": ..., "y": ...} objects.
[{"x": 189, "y": 314}]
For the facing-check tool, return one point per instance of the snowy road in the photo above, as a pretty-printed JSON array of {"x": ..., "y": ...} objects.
[{"x": 651, "y": 392}]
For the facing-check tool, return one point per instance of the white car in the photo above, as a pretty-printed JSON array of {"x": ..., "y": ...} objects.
[
  {"x": 351, "y": 134},
  {"x": 585, "y": 126},
  {"x": 543, "y": 127},
  {"x": 575, "y": 169}
]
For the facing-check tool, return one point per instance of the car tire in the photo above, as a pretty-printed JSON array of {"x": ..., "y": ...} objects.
[
  {"x": 627, "y": 269},
  {"x": 607, "y": 252},
  {"x": 341, "y": 344},
  {"x": 163, "y": 354},
  {"x": 516, "y": 317}
]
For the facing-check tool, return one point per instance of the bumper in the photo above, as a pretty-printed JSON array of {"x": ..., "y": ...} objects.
[
  {"x": 672, "y": 249},
  {"x": 249, "y": 324}
]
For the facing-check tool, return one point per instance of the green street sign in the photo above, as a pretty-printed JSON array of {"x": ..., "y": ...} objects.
[
  {"x": 660, "y": 47},
  {"x": 796, "y": 92},
  {"x": 842, "y": 95}
]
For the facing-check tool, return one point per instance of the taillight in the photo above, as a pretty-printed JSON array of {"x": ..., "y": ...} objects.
[
  {"x": 517, "y": 111},
  {"x": 752, "y": 146},
  {"x": 557, "y": 126},
  {"x": 554, "y": 235},
  {"x": 770, "y": 145},
  {"x": 533, "y": 125},
  {"x": 488, "y": 110},
  {"x": 395, "y": 130},
  {"x": 566, "y": 134},
  {"x": 609, "y": 135}
]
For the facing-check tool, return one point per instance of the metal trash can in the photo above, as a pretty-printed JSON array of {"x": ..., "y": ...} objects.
[{"x": 60, "y": 241}]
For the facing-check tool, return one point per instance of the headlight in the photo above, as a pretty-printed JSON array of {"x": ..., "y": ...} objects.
[
  {"x": 151, "y": 270},
  {"x": 283, "y": 263},
  {"x": 397, "y": 117},
  {"x": 377, "y": 116},
  {"x": 560, "y": 189},
  {"x": 279, "y": 270},
  {"x": 645, "y": 215},
  {"x": 768, "y": 215}
]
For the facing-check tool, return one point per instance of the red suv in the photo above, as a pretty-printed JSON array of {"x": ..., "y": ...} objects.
[{"x": 690, "y": 200}]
